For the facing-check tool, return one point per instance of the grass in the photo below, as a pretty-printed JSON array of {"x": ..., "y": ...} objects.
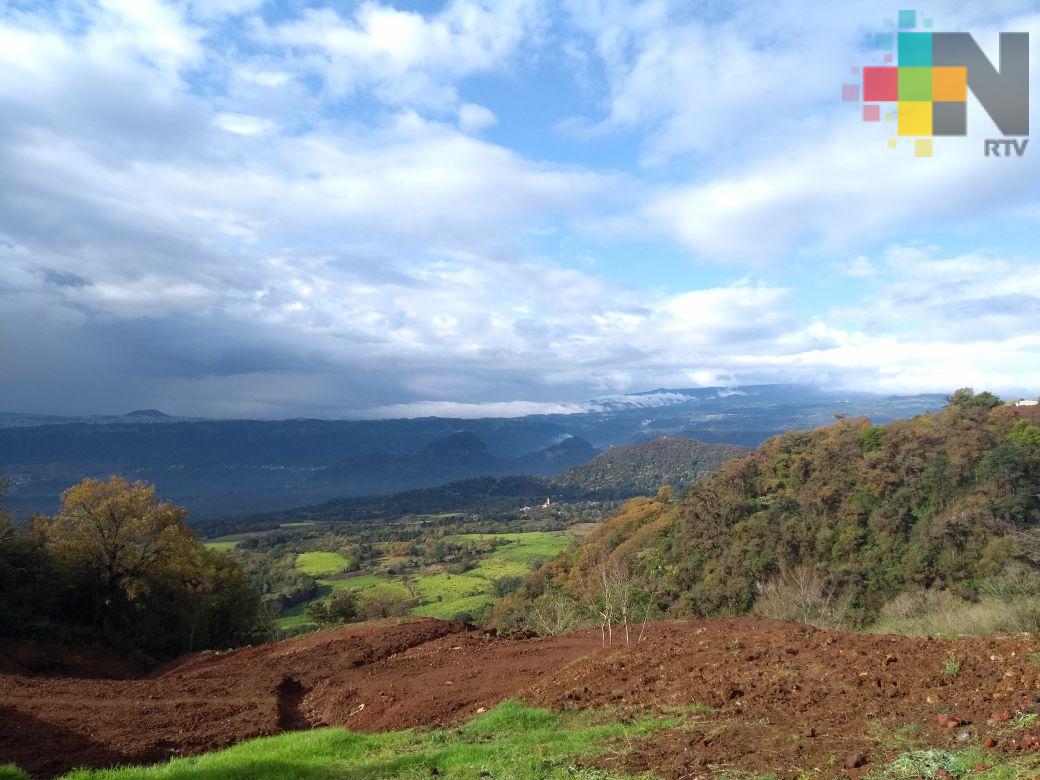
[
  {"x": 946, "y": 616},
  {"x": 959, "y": 763},
  {"x": 11, "y": 772},
  {"x": 511, "y": 741},
  {"x": 950, "y": 668},
  {"x": 318, "y": 564},
  {"x": 445, "y": 596},
  {"x": 448, "y": 610},
  {"x": 359, "y": 582},
  {"x": 220, "y": 545},
  {"x": 448, "y": 587}
]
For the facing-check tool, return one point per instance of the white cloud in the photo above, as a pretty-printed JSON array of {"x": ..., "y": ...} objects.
[
  {"x": 194, "y": 225},
  {"x": 474, "y": 118},
  {"x": 404, "y": 56},
  {"x": 243, "y": 124}
]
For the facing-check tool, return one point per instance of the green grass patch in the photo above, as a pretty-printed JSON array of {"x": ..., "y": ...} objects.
[
  {"x": 11, "y": 772},
  {"x": 297, "y": 524},
  {"x": 449, "y": 587},
  {"x": 358, "y": 582},
  {"x": 221, "y": 545},
  {"x": 511, "y": 741},
  {"x": 449, "y": 610},
  {"x": 318, "y": 564}
]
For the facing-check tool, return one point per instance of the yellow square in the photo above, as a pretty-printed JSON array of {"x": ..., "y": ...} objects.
[
  {"x": 915, "y": 117},
  {"x": 950, "y": 85},
  {"x": 893, "y": 143},
  {"x": 923, "y": 147}
]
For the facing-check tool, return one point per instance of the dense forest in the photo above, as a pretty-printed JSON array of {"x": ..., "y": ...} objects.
[
  {"x": 640, "y": 469},
  {"x": 855, "y": 512}
]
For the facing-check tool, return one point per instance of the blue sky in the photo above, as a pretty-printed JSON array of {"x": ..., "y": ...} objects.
[{"x": 240, "y": 208}]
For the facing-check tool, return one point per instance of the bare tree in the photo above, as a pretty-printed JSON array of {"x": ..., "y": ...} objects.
[
  {"x": 801, "y": 595},
  {"x": 554, "y": 613},
  {"x": 1028, "y": 543}
]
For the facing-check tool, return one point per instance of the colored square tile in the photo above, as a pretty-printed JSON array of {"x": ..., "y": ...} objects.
[
  {"x": 949, "y": 84},
  {"x": 923, "y": 147},
  {"x": 893, "y": 143},
  {"x": 950, "y": 118},
  {"x": 884, "y": 41},
  {"x": 880, "y": 85},
  {"x": 915, "y": 118},
  {"x": 907, "y": 20},
  {"x": 850, "y": 93},
  {"x": 871, "y": 113},
  {"x": 915, "y": 50},
  {"x": 915, "y": 83}
]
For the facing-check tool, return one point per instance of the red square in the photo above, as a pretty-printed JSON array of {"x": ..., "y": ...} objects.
[
  {"x": 871, "y": 113},
  {"x": 880, "y": 85}
]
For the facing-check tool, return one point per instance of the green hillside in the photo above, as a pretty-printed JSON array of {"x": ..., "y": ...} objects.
[
  {"x": 851, "y": 514},
  {"x": 640, "y": 469}
]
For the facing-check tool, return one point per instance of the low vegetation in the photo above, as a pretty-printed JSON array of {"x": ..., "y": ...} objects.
[{"x": 511, "y": 740}]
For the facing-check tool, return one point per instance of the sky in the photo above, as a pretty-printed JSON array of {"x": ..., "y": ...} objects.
[{"x": 238, "y": 208}]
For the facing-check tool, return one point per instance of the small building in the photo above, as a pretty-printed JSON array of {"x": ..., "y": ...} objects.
[{"x": 1027, "y": 403}]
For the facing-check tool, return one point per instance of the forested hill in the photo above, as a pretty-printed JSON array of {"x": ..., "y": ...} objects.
[
  {"x": 620, "y": 472},
  {"x": 640, "y": 469},
  {"x": 938, "y": 500}
]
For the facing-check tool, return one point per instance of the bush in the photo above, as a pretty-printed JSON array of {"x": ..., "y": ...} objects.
[
  {"x": 382, "y": 603},
  {"x": 341, "y": 607},
  {"x": 801, "y": 595}
]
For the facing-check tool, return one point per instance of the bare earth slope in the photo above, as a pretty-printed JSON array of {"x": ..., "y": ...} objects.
[{"x": 784, "y": 697}]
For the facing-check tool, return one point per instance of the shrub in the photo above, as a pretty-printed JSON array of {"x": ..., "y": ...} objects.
[
  {"x": 800, "y": 595},
  {"x": 341, "y": 607}
]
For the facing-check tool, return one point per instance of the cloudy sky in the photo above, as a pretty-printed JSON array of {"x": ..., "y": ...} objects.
[{"x": 247, "y": 208}]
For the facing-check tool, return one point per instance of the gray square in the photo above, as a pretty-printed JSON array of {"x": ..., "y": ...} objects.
[{"x": 950, "y": 118}]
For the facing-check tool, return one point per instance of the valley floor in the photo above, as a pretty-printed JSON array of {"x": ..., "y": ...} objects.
[{"x": 740, "y": 697}]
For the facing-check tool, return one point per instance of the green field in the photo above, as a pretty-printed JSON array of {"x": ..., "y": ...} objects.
[
  {"x": 221, "y": 545},
  {"x": 510, "y": 741},
  {"x": 318, "y": 564},
  {"x": 441, "y": 594},
  {"x": 449, "y": 610}
]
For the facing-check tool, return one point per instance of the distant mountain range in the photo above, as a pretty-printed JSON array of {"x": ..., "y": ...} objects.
[{"x": 223, "y": 467}]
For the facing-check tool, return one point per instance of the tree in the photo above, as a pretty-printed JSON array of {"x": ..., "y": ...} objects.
[
  {"x": 126, "y": 567},
  {"x": 119, "y": 537},
  {"x": 554, "y": 613}
]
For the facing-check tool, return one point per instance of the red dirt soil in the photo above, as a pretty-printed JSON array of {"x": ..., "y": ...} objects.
[{"x": 785, "y": 697}]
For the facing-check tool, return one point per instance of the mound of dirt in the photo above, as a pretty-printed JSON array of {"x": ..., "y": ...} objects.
[{"x": 782, "y": 697}]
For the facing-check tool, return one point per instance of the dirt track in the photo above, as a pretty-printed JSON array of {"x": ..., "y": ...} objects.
[{"x": 784, "y": 697}]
